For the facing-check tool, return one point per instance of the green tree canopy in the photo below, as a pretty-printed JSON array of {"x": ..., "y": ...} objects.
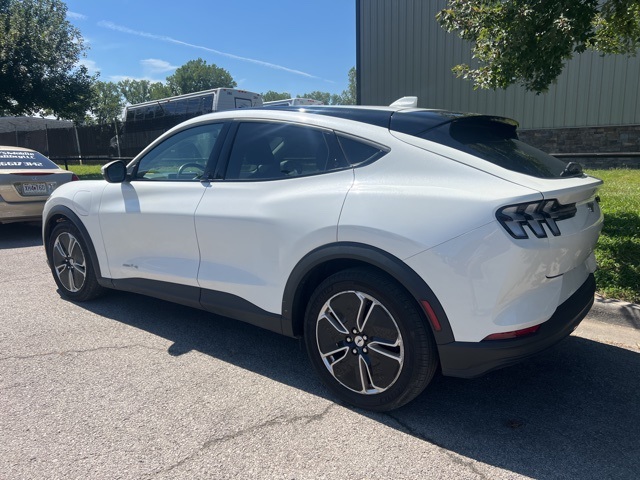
[
  {"x": 527, "y": 42},
  {"x": 106, "y": 103},
  {"x": 39, "y": 54},
  {"x": 196, "y": 75},
  {"x": 270, "y": 96},
  {"x": 325, "y": 97},
  {"x": 139, "y": 91},
  {"x": 349, "y": 96}
]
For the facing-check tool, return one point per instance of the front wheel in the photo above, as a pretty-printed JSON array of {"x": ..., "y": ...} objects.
[
  {"x": 70, "y": 264},
  {"x": 368, "y": 341}
]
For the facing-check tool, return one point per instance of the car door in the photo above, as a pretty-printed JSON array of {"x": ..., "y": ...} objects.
[
  {"x": 281, "y": 197},
  {"x": 147, "y": 223}
]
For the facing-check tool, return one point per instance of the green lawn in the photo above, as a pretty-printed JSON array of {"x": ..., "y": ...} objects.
[{"x": 618, "y": 250}]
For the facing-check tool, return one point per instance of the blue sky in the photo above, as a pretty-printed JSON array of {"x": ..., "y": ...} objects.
[{"x": 282, "y": 45}]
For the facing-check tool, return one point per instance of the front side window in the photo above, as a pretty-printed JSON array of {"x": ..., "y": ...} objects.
[
  {"x": 181, "y": 157},
  {"x": 269, "y": 151}
]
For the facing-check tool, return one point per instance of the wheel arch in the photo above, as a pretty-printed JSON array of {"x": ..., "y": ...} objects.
[
  {"x": 329, "y": 259},
  {"x": 59, "y": 214}
]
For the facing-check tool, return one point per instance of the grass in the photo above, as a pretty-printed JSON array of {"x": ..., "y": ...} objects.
[
  {"x": 618, "y": 250},
  {"x": 86, "y": 172}
]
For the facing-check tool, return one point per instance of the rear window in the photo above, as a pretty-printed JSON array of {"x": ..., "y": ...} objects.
[
  {"x": 11, "y": 159},
  {"x": 496, "y": 141}
]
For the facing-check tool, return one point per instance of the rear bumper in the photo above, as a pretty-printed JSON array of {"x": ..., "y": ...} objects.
[
  {"x": 472, "y": 359},
  {"x": 20, "y": 211}
]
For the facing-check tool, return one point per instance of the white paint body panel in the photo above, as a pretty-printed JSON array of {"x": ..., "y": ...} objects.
[
  {"x": 149, "y": 232},
  {"x": 252, "y": 234}
]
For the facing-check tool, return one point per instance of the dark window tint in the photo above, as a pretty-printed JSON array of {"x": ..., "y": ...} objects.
[
  {"x": 496, "y": 141},
  {"x": 10, "y": 159},
  {"x": 264, "y": 151},
  {"x": 358, "y": 152}
]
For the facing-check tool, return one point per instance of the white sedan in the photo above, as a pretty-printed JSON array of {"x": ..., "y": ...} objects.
[{"x": 395, "y": 241}]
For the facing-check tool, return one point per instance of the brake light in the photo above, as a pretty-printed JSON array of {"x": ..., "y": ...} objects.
[
  {"x": 74, "y": 177},
  {"x": 514, "y": 334},
  {"x": 33, "y": 174},
  {"x": 534, "y": 215}
]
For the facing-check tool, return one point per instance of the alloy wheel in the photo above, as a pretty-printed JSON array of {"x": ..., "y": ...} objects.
[
  {"x": 69, "y": 262},
  {"x": 359, "y": 342}
]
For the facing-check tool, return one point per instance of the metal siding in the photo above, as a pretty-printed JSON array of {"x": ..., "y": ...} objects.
[
  {"x": 403, "y": 51},
  {"x": 630, "y": 112}
]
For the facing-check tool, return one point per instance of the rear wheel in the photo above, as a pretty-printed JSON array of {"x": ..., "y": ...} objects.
[
  {"x": 368, "y": 341},
  {"x": 70, "y": 264}
]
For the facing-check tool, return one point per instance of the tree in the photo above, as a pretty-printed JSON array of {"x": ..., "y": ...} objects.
[
  {"x": 325, "y": 97},
  {"x": 107, "y": 103},
  {"x": 39, "y": 54},
  {"x": 196, "y": 75},
  {"x": 349, "y": 96},
  {"x": 270, "y": 96},
  {"x": 139, "y": 91},
  {"x": 527, "y": 42}
]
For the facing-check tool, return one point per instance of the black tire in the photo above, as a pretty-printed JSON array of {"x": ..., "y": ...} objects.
[
  {"x": 379, "y": 364},
  {"x": 71, "y": 264}
]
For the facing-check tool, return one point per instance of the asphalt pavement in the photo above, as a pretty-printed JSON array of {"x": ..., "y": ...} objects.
[{"x": 130, "y": 387}]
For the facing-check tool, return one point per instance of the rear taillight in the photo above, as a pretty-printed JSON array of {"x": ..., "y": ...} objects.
[
  {"x": 74, "y": 177},
  {"x": 514, "y": 334},
  {"x": 534, "y": 216}
]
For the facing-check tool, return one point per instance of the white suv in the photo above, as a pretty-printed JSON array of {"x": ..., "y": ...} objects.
[{"x": 394, "y": 240}]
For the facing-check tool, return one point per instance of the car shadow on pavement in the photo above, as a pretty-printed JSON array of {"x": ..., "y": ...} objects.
[
  {"x": 20, "y": 235},
  {"x": 572, "y": 412}
]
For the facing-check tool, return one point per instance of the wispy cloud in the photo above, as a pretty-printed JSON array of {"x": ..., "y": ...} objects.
[
  {"x": 163, "y": 38},
  {"x": 76, "y": 16},
  {"x": 154, "y": 65}
]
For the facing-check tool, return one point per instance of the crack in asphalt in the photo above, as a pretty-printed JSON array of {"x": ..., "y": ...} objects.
[
  {"x": 279, "y": 420},
  {"x": 71, "y": 352}
]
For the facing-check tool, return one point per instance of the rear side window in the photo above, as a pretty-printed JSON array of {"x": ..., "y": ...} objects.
[
  {"x": 270, "y": 151},
  {"x": 496, "y": 141},
  {"x": 10, "y": 159},
  {"x": 358, "y": 152}
]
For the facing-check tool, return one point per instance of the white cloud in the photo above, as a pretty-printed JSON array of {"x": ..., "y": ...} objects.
[
  {"x": 154, "y": 65},
  {"x": 76, "y": 16},
  {"x": 163, "y": 38},
  {"x": 92, "y": 67}
]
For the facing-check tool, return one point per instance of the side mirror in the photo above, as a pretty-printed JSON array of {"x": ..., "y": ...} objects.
[{"x": 114, "y": 172}]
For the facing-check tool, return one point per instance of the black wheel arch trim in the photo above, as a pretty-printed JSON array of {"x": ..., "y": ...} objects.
[
  {"x": 360, "y": 254},
  {"x": 71, "y": 216}
]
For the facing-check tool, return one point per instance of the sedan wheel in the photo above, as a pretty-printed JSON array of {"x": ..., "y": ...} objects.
[{"x": 368, "y": 341}]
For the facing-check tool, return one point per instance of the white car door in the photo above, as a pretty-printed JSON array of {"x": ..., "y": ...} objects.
[
  {"x": 147, "y": 223},
  {"x": 281, "y": 198}
]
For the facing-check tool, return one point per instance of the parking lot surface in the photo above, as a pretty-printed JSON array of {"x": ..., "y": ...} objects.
[{"x": 132, "y": 387}]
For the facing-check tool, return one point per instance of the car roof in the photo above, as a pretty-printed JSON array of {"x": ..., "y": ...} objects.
[
  {"x": 19, "y": 149},
  {"x": 412, "y": 121}
]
